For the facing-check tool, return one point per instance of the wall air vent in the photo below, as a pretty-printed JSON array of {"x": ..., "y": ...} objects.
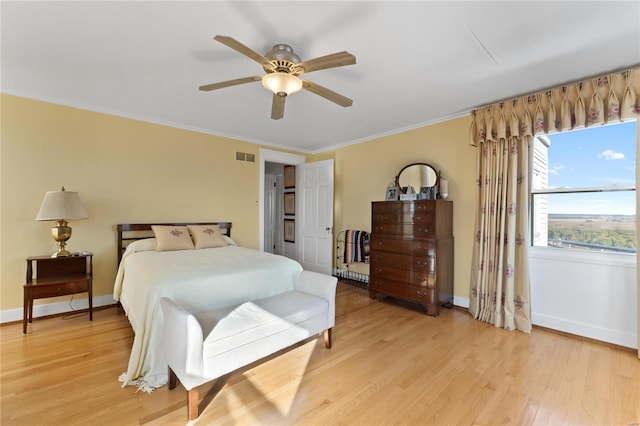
[{"x": 245, "y": 156}]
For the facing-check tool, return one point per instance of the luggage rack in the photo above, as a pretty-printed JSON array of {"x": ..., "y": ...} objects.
[{"x": 342, "y": 270}]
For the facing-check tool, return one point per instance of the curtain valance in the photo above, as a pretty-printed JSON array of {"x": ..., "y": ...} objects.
[{"x": 605, "y": 99}]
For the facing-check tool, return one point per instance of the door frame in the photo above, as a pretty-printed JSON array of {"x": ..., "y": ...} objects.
[{"x": 267, "y": 155}]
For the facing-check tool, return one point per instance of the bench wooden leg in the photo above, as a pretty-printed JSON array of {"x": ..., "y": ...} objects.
[
  {"x": 192, "y": 403},
  {"x": 327, "y": 338},
  {"x": 173, "y": 379},
  {"x": 192, "y": 396}
]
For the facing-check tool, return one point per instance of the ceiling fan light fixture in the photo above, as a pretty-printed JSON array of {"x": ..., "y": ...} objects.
[{"x": 281, "y": 82}]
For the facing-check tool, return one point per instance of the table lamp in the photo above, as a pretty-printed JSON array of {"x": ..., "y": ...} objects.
[{"x": 61, "y": 206}]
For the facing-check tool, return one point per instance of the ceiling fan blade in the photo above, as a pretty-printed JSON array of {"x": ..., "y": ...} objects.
[
  {"x": 241, "y": 48},
  {"x": 337, "y": 98},
  {"x": 277, "y": 107},
  {"x": 214, "y": 86},
  {"x": 339, "y": 59}
]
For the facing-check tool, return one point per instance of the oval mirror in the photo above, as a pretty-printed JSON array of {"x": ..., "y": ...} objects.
[{"x": 416, "y": 176}]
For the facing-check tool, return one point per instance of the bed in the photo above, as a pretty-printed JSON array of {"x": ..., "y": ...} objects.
[{"x": 201, "y": 279}]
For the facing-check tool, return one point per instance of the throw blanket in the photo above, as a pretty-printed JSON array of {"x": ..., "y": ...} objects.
[
  {"x": 202, "y": 279},
  {"x": 356, "y": 246}
]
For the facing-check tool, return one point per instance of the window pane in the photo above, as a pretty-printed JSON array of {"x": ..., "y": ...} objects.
[
  {"x": 599, "y": 159},
  {"x": 593, "y": 157},
  {"x": 602, "y": 221}
]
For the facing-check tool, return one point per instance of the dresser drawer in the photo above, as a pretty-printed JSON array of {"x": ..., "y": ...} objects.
[
  {"x": 424, "y": 295},
  {"x": 403, "y": 207},
  {"x": 397, "y": 245},
  {"x": 424, "y": 230},
  {"x": 403, "y": 216},
  {"x": 416, "y": 263},
  {"x": 409, "y": 276},
  {"x": 383, "y": 218}
]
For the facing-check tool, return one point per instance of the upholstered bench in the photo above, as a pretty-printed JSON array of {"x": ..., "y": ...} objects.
[{"x": 200, "y": 347}]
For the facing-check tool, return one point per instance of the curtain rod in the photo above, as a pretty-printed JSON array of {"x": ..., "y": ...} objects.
[{"x": 615, "y": 71}]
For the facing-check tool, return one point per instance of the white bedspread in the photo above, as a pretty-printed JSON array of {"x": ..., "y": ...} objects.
[{"x": 203, "y": 280}]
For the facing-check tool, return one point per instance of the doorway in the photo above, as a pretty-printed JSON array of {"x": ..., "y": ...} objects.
[
  {"x": 276, "y": 161},
  {"x": 273, "y": 208}
]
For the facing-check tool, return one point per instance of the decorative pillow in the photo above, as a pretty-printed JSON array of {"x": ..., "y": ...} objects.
[
  {"x": 172, "y": 238},
  {"x": 207, "y": 236}
]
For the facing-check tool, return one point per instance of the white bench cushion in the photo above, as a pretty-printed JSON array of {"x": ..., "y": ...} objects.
[
  {"x": 237, "y": 335},
  {"x": 233, "y": 327}
]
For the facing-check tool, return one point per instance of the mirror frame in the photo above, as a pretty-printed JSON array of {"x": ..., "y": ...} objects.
[{"x": 437, "y": 172}]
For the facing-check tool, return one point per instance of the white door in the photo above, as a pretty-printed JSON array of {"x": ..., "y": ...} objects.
[{"x": 314, "y": 230}]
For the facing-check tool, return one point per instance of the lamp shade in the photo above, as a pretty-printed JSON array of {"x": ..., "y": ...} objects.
[
  {"x": 281, "y": 82},
  {"x": 62, "y": 205}
]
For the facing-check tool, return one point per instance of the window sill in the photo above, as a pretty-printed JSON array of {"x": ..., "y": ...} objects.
[{"x": 628, "y": 260}]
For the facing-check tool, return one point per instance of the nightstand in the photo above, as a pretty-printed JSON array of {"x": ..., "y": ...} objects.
[{"x": 56, "y": 276}]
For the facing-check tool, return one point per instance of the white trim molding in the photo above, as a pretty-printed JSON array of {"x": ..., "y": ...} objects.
[
  {"x": 42, "y": 310},
  {"x": 462, "y": 302}
]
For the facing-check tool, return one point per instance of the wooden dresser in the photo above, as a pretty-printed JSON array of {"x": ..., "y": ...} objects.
[{"x": 412, "y": 252}]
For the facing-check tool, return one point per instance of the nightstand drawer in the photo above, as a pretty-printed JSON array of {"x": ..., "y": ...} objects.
[{"x": 61, "y": 289}]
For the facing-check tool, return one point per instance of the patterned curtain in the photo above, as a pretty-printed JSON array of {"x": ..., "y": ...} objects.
[{"x": 504, "y": 133}]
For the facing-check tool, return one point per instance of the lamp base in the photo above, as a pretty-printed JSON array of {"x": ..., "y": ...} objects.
[
  {"x": 62, "y": 253},
  {"x": 61, "y": 233}
]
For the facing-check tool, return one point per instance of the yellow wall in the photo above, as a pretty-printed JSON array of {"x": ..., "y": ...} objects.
[
  {"x": 125, "y": 171},
  {"x": 131, "y": 171},
  {"x": 363, "y": 171}
]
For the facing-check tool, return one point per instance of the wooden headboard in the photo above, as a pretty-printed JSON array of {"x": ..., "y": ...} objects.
[{"x": 129, "y": 232}]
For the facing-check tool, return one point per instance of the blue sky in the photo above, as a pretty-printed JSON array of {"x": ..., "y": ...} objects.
[{"x": 597, "y": 156}]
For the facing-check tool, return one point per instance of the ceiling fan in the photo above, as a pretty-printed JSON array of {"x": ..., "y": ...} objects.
[{"x": 283, "y": 68}]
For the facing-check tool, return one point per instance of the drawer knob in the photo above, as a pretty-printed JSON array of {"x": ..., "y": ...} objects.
[
  {"x": 420, "y": 294},
  {"x": 378, "y": 270},
  {"x": 58, "y": 290}
]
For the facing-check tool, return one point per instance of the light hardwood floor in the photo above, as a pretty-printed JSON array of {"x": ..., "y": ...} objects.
[{"x": 389, "y": 365}]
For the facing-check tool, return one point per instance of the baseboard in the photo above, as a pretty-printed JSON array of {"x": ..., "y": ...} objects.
[
  {"x": 46, "y": 309},
  {"x": 591, "y": 331},
  {"x": 462, "y": 302}
]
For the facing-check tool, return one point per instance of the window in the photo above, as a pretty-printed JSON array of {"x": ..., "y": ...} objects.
[{"x": 583, "y": 189}]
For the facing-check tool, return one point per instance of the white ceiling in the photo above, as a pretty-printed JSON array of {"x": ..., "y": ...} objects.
[{"x": 418, "y": 62}]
